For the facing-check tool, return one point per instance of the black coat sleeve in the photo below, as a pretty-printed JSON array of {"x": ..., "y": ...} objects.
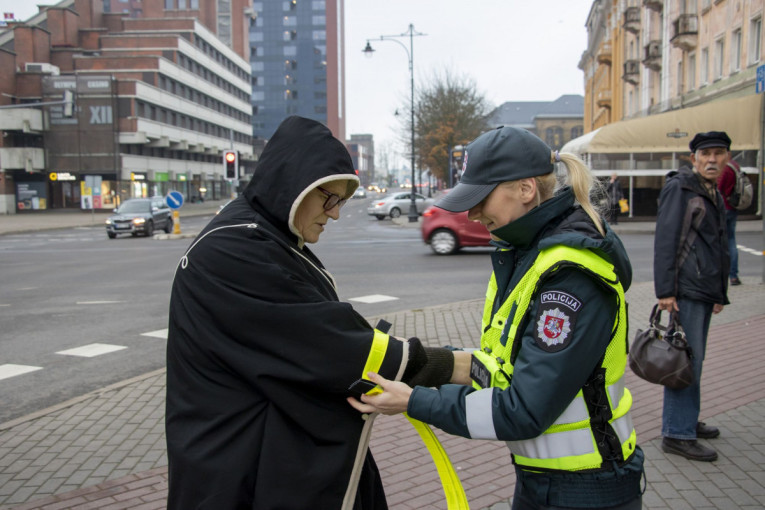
[{"x": 669, "y": 221}]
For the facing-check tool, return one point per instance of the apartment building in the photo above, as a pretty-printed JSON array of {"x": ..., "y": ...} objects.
[
  {"x": 156, "y": 102},
  {"x": 658, "y": 71},
  {"x": 297, "y": 59}
]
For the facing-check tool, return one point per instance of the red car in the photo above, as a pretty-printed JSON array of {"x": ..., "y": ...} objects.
[{"x": 446, "y": 232}]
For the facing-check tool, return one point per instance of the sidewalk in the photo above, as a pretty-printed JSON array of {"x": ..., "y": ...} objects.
[{"x": 106, "y": 449}]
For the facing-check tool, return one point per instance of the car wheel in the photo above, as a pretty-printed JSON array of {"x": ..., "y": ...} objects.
[
  {"x": 149, "y": 229},
  {"x": 380, "y": 216},
  {"x": 443, "y": 242},
  {"x": 169, "y": 226},
  {"x": 395, "y": 212},
  {"x": 111, "y": 235}
]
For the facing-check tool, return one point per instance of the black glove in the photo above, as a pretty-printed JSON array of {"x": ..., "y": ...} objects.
[{"x": 428, "y": 366}]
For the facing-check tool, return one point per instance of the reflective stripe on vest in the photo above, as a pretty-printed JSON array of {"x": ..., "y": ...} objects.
[{"x": 570, "y": 443}]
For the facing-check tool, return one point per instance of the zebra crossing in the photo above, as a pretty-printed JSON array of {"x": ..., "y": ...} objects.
[{"x": 8, "y": 370}]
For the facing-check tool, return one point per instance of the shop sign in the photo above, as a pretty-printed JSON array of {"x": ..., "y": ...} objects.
[
  {"x": 161, "y": 177},
  {"x": 62, "y": 176},
  {"x": 135, "y": 176}
]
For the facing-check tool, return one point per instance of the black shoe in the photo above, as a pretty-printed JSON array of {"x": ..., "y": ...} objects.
[
  {"x": 688, "y": 448},
  {"x": 735, "y": 281},
  {"x": 704, "y": 431}
]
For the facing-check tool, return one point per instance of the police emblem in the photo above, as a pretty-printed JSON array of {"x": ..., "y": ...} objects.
[{"x": 553, "y": 327}]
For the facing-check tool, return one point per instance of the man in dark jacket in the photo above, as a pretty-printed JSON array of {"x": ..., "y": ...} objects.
[
  {"x": 691, "y": 265},
  {"x": 261, "y": 353}
]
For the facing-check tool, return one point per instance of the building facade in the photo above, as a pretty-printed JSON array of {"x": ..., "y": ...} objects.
[
  {"x": 654, "y": 71},
  {"x": 156, "y": 102},
  {"x": 297, "y": 59},
  {"x": 556, "y": 122}
]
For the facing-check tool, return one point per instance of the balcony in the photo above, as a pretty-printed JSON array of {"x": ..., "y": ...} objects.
[
  {"x": 632, "y": 72},
  {"x": 31, "y": 159},
  {"x": 654, "y": 5},
  {"x": 632, "y": 19},
  {"x": 604, "y": 98},
  {"x": 652, "y": 58},
  {"x": 686, "y": 32},
  {"x": 604, "y": 53},
  {"x": 28, "y": 120}
]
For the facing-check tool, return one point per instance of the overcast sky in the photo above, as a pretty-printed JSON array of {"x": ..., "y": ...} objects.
[{"x": 513, "y": 50}]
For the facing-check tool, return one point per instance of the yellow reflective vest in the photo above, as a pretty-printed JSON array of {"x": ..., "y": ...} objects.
[{"x": 596, "y": 427}]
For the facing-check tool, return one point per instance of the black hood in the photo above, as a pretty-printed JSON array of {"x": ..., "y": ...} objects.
[{"x": 301, "y": 155}]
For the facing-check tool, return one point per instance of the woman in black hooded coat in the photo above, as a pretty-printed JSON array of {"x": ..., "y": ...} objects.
[{"x": 261, "y": 353}]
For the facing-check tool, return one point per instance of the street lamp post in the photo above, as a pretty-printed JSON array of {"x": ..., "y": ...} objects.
[{"x": 413, "y": 216}]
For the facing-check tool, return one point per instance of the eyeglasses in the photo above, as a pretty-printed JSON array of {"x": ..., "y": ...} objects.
[{"x": 332, "y": 199}]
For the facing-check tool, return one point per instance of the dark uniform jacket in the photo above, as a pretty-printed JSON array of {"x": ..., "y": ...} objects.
[
  {"x": 690, "y": 222},
  {"x": 543, "y": 382},
  {"x": 261, "y": 353}
]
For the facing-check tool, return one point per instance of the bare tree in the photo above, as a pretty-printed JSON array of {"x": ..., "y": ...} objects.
[{"x": 449, "y": 111}]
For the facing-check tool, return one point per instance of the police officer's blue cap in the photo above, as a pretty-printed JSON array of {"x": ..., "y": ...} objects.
[
  {"x": 709, "y": 140},
  {"x": 501, "y": 155}
]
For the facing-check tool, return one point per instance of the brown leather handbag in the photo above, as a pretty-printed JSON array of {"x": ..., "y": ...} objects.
[{"x": 661, "y": 354}]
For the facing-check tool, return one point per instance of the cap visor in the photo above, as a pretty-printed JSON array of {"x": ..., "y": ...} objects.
[{"x": 464, "y": 196}]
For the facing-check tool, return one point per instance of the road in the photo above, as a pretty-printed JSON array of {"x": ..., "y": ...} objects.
[{"x": 79, "y": 311}]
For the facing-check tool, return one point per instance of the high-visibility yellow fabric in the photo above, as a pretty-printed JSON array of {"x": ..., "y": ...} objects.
[{"x": 561, "y": 446}]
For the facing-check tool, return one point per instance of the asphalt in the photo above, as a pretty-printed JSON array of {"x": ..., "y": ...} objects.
[{"x": 106, "y": 449}]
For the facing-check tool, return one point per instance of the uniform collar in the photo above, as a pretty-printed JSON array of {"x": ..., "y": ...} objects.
[{"x": 522, "y": 232}]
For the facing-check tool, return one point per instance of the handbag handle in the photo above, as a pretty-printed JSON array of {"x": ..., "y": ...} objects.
[{"x": 673, "y": 331}]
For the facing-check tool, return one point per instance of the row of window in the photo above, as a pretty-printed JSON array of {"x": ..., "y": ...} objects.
[
  {"x": 163, "y": 152},
  {"x": 210, "y": 50},
  {"x": 166, "y": 116},
  {"x": 554, "y": 135},
  {"x": 180, "y": 89},
  {"x": 195, "y": 67}
]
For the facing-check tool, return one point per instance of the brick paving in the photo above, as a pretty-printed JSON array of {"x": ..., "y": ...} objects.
[{"x": 106, "y": 449}]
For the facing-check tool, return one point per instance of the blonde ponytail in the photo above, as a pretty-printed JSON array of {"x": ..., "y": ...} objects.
[{"x": 581, "y": 181}]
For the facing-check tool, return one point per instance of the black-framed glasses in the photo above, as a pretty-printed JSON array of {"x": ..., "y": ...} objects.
[{"x": 332, "y": 199}]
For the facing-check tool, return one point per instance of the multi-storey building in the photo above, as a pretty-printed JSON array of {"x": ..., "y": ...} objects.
[
  {"x": 297, "y": 58},
  {"x": 362, "y": 150},
  {"x": 156, "y": 102},
  {"x": 658, "y": 71},
  {"x": 556, "y": 122}
]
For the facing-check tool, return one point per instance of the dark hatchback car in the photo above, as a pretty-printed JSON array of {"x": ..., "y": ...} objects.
[
  {"x": 140, "y": 216},
  {"x": 446, "y": 232}
]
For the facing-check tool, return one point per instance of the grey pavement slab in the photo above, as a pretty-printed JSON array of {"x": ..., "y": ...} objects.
[{"x": 107, "y": 449}]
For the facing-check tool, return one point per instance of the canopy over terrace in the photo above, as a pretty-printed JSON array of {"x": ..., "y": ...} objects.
[
  {"x": 645, "y": 149},
  {"x": 672, "y": 131}
]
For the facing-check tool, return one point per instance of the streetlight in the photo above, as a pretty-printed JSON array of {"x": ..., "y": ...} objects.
[{"x": 410, "y": 54}]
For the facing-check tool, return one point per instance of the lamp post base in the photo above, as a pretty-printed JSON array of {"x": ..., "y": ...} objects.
[{"x": 413, "y": 216}]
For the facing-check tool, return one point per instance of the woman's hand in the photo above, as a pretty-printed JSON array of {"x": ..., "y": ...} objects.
[{"x": 393, "y": 400}]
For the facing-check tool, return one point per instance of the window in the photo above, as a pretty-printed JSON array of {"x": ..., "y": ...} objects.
[
  {"x": 289, "y": 35},
  {"x": 169, "y": 4},
  {"x": 735, "y": 51},
  {"x": 319, "y": 21},
  {"x": 181, "y": 4},
  {"x": 755, "y": 35},
  {"x": 719, "y": 49},
  {"x": 704, "y": 78},
  {"x": 691, "y": 71},
  {"x": 290, "y": 51},
  {"x": 258, "y": 95},
  {"x": 318, "y": 5},
  {"x": 289, "y": 21},
  {"x": 319, "y": 35},
  {"x": 194, "y": 4},
  {"x": 679, "y": 77},
  {"x": 289, "y": 5}
]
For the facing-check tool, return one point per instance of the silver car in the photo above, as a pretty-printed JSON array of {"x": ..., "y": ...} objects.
[{"x": 395, "y": 204}]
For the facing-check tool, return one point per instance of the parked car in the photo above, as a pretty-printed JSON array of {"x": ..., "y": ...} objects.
[
  {"x": 140, "y": 216},
  {"x": 394, "y": 204},
  {"x": 446, "y": 232}
]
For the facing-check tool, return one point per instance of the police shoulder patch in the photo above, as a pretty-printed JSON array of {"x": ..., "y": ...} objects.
[{"x": 555, "y": 320}]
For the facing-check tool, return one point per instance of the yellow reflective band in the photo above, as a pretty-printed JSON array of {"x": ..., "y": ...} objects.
[
  {"x": 455, "y": 494},
  {"x": 375, "y": 358}
]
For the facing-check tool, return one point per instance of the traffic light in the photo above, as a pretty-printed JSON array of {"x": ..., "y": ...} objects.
[{"x": 231, "y": 164}]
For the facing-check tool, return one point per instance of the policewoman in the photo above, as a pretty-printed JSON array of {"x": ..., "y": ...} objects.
[{"x": 549, "y": 376}]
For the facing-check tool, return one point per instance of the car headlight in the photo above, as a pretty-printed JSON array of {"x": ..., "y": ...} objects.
[
  {"x": 108, "y": 221},
  {"x": 139, "y": 221}
]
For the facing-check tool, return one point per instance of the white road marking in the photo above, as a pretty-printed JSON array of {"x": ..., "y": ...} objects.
[
  {"x": 373, "y": 298},
  {"x": 5, "y": 304},
  {"x": 9, "y": 370},
  {"x": 98, "y": 302},
  {"x": 749, "y": 250},
  {"x": 92, "y": 350},
  {"x": 160, "y": 333}
]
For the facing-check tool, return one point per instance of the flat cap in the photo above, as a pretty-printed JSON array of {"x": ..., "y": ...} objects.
[{"x": 710, "y": 139}]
